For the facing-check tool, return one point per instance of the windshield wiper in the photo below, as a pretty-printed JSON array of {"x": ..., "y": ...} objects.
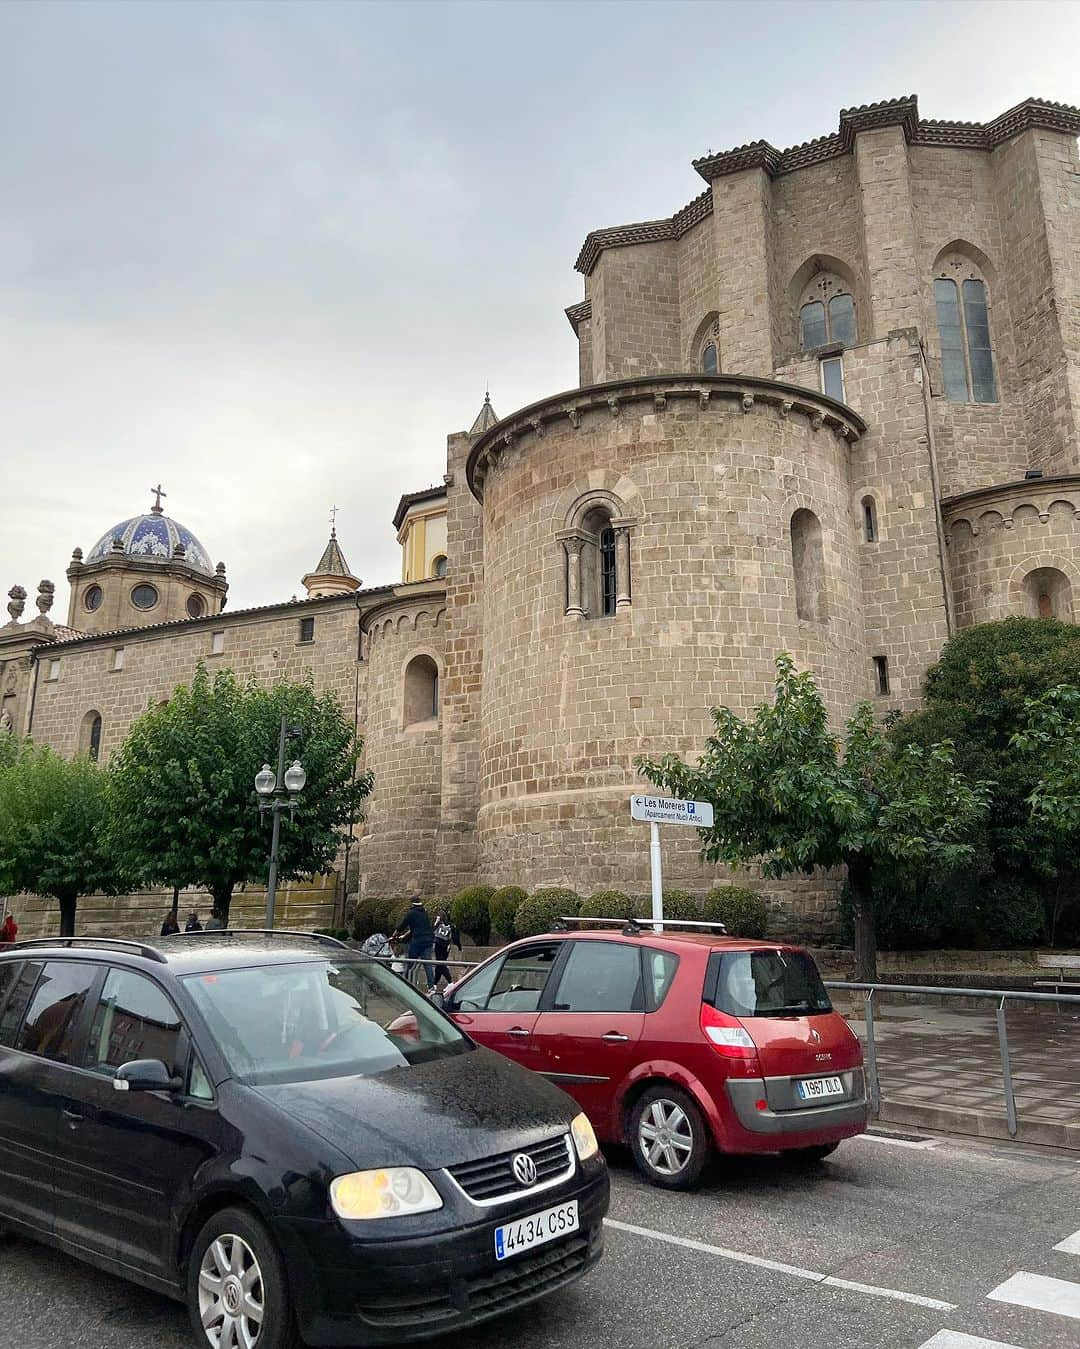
[{"x": 793, "y": 1009}]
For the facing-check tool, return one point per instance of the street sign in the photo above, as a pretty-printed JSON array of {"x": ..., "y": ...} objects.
[{"x": 670, "y": 810}]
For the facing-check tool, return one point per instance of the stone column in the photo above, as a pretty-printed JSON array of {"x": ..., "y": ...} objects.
[
  {"x": 573, "y": 543},
  {"x": 622, "y": 565}
]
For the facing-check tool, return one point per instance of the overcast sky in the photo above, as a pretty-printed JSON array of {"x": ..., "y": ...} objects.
[{"x": 270, "y": 253}]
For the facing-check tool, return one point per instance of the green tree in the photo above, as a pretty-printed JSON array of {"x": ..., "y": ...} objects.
[
  {"x": 52, "y": 813},
  {"x": 183, "y": 809},
  {"x": 790, "y": 795},
  {"x": 1050, "y": 737}
]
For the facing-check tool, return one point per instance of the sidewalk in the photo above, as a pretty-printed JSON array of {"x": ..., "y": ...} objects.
[{"x": 940, "y": 1068}]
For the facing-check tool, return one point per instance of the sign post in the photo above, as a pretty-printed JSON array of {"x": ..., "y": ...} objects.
[{"x": 658, "y": 810}]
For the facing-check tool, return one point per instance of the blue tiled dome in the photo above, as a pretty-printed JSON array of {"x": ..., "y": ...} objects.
[{"x": 153, "y": 538}]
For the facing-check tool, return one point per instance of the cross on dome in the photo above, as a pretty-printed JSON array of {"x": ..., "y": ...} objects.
[{"x": 158, "y": 492}]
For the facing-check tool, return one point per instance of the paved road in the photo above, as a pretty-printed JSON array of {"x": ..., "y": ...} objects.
[{"x": 885, "y": 1244}]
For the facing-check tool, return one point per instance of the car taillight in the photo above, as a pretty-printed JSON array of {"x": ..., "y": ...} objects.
[{"x": 726, "y": 1034}]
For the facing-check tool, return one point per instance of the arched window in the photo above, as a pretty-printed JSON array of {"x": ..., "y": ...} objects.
[
  {"x": 598, "y": 564},
  {"x": 705, "y": 347},
  {"x": 710, "y": 361},
  {"x": 826, "y": 312},
  {"x": 438, "y": 566},
  {"x": 90, "y": 737},
  {"x": 869, "y": 520},
  {"x": 963, "y": 315},
  {"x": 1048, "y": 594},
  {"x": 808, "y": 563},
  {"x": 421, "y": 701}
]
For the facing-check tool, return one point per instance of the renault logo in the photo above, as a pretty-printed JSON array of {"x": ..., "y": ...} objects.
[
  {"x": 815, "y": 1036},
  {"x": 524, "y": 1169}
]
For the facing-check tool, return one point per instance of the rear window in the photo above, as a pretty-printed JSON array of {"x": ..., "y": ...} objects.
[{"x": 766, "y": 983}]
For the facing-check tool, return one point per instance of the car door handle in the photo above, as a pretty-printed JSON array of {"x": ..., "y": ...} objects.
[
  {"x": 615, "y": 1037},
  {"x": 73, "y": 1118},
  {"x": 519, "y": 1031}
]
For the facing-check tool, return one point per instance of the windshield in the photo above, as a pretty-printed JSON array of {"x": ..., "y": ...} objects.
[
  {"x": 770, "y": 983},
  {"x": 320, "y": 1018}
]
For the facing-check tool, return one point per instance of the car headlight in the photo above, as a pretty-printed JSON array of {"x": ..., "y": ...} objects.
[
  {"x": 584, "y": 1138},
  {"x": 391, "y": 1192}
]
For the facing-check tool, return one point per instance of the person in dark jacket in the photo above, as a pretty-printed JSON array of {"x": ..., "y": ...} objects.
[
  {"x": 446, "y": 935},
  {"x": 416, "y": 925},
  {"x": 193, "y": 924},
  {"x": 170, "y": 925}
]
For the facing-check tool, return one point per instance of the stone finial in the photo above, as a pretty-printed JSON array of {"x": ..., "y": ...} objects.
[
  {"x": 45, "y": 596},
  {"x": 117, "y": 545},
  {"x": 76, "y": 555},
  {"x": 179, "y": 551},
  {"x": 220, "y": 569},
  {"x": 17, "y": 598}
]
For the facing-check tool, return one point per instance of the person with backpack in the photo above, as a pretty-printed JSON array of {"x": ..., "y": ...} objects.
[
  {"x": 416, "y": 925},
  {"x": 446, "y": 935}
]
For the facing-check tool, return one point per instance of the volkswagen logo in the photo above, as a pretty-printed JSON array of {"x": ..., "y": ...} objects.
[{"x": 524, "y": 1169}]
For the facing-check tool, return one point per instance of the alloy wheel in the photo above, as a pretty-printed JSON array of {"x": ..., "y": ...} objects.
[
  {"x": 231, "y": 1294},
  {"x": 665, "y": 1137}
]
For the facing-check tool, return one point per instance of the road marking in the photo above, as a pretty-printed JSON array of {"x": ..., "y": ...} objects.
[
  {"x": 954, "y": 1339},
  {"x": 777, "y": 1267},
  {"x": 1040, "y": 1292},
  {"x": 1071, "y": 1245},
  {"x": 921, "y": 1146}
]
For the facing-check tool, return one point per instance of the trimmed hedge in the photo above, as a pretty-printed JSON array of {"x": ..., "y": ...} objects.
[
  {"x": 543, "y": 909},
  {"x": 502, "y": 907},
  {"x": 368, "y": 917},
  {"x": 392, "y": 912},
  {"x": 743, "y": 912},
  {"x": 679, "y": 904},
  {"x": 610, "y": 904},
  {"x": 470, "y": 913}
]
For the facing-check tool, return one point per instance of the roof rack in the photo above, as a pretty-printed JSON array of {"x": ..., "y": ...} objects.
[
  {"x": 632, "y": 926},
  {"x": 264, "y": 932},
  {"x": 84, "y": 943}
]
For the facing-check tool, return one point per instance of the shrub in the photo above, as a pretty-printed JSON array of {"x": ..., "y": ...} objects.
[
  {"x": 679, "y": 904},
  {"x": 743, "y": 912},
  {"x": 368, "y": 917},
  {"x": 543, "y": 909},
  {"x": 391, "y": 914},
  {"x": 610, "y": 904},
  {"x": 340, "y": 933},
  {"x": 470, "y": 913},
  {"x": 503, "y": 906}
]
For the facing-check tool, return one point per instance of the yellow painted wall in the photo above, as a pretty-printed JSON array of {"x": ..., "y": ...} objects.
[{"x": 423, "y": 539}]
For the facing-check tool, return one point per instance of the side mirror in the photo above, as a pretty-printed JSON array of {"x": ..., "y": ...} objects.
[
  {"x": 439, "y": 1000},
  {"x": 145, "y": 1075}
]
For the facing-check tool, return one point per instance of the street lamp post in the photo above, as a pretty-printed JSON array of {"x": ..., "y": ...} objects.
[{"x": 279, "y": 792}]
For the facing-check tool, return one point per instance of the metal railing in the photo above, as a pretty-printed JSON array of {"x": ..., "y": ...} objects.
[{"x": 996, "y": 994}]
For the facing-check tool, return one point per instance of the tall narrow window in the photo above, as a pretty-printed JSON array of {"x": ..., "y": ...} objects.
[
  {"x": 710, "y": 363},
  {"x": 842, "y": 319},
  {"x": 307, "y": 630},
  {"x": 94, "y": 748},
  {"x": 608, "y": 585},
  {"x": 832, "y": 377},
  {"x": 881, "y": 675},
  {"x": 869, "y": 515},
  {"x": 813, "y": 331},
  {"x": 967, "y": 360},
  {"x": 808, "y": 563}
]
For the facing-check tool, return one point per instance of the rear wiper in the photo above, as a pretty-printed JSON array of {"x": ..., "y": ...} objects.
[{"x": 795, "y": 1009}]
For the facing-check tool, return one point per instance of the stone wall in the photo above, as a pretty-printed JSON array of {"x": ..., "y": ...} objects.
[
  {"x": 709, "y": 475},
  {"x": 998, "y": 538}
]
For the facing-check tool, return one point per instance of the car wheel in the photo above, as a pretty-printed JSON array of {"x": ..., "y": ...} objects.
[
  {"x": 669, "y": 1138},
  {"x": 808, "y": 1156},
  {"x": 237, "y": 1293}
]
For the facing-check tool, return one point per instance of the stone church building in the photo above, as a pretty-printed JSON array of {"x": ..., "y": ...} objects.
[{"x": 830, "y": 406}]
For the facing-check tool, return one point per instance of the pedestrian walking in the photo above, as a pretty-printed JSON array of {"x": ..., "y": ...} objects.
[
  {"x": 193, "y": 924},
  {"x": 417, "y": 926},
  {"x": 9, "y": 931},
  {"x": 170, "y": 925},
  {"x": 446, "y": 935}
]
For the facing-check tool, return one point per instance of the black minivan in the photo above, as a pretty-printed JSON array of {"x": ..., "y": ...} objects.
[{"x": 285, "y": 1135}]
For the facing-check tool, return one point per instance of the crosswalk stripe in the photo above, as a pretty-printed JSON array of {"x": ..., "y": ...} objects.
[
  {"x": 1071, "y": 1245},
  {"x": 954, "y": 1339},
  {"x": 1040, "y": 1292}
]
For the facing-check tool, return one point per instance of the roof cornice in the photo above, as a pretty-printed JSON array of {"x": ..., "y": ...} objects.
[{"x": 1032, "y": 114}]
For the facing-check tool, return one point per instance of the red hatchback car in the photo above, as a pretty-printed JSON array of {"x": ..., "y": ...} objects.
[{"x": 677, "y": 1044}]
